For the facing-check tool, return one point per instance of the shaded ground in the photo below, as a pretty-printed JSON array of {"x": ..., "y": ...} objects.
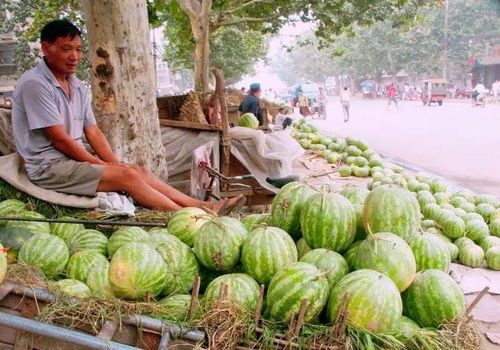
[{"x": 455, "y": 141}]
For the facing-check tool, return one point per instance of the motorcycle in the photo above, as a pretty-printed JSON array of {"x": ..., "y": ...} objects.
[{"x": 478, "y": 99}]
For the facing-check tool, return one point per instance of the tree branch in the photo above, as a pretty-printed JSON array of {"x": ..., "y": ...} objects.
[
  {"x": 239, "y": 20},
  {"x": 187, "y": 6},
  {"x": 206, "y": 8},
  {"x": 247, "y": 4}
]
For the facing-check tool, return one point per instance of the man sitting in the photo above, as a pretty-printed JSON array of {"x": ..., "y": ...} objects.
[{"x": 51, "y": 113}]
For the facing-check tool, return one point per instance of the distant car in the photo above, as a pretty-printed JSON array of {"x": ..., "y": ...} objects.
[{"x": 463, "y": 93}]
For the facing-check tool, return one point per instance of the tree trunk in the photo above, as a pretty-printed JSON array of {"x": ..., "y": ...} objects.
[
  {"x": 124, "y": 82},
  {"x": 201, "y": 55}
]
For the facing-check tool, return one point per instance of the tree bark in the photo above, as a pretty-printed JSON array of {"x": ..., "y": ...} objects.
[{"x": 124, "y": 81}]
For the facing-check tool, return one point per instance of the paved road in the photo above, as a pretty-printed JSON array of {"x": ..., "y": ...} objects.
[{"x": 455, "y": 140}]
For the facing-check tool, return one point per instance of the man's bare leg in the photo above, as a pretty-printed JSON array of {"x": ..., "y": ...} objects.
[{"x": 116, "y": 178}]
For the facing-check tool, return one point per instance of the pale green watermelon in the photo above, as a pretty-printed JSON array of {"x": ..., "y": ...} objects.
[
  {"x": 176, "y": 307},
  {"x": 248, "y": 120},
  {"x": 47, "y": 252},
  {"x": 126, "y": 235},
  {"x": 72, "y": 288},
  {"x": 241, "y": 289},
  {"x": 302, "y": 247},
  {"x": 158, "y": 235},
  {"x": 328, "y": 261},
  {"x": 471, "y": 255},
  {"x": 430, "y": 252},
  {"x": 98, "y": 281},
  {"x": 185, "y": 222},
  {"x": 493, "y": 258},
  {"x": 80, "y": 263}
]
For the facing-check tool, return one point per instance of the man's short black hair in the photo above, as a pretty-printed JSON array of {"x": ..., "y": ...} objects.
[{"x": 59, "y": 28}]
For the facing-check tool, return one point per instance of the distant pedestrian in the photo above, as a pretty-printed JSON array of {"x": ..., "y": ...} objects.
[
  {"x": 495, "y": 87},
  {"x": 345, "y": 101},
  {"x": 406, "y": 92},
  {"x": 391, "y": 96},
  {"x": 304, "y": 105}
]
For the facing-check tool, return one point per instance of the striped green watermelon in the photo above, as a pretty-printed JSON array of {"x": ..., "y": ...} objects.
[
  {"x": 290, "y": 285},
  {"x": 241, "y": 289},
  {"x": 302, "y": 248},
  {"x": 487, "y": 199},
  {"x": 473, "y": 216},
  {"x": 136, "y": 271},
  {"x": 463, "y": 241},
  {"x": 249, "y": 120},
  {"x": 493, "y": 258},
  {"x": 72, "y": 288},
  {"x": 251, "y": 220},
  {"x": 33, "y": 226},
  {"x": 10, "y": 207},
  {"x": 373, "y": 301},
  {"x": 406, "y": 330},
  {"x": 265, "y": 251},
  {"x": 47, "y": 252},
  {"x": 488, "y": 242},
  {"x": 328, "y": 261},
  {"x": 13, "y": 238},
  {"x": 495, "y": 215},
  {"x": 287, "y": 207},
  {"x": 430, "y": 252},
  {"x": 182, "y": 266},
  {"x": 452, "y": 226},
  {"x": 468, "y": 207},
  {"x": 471, "y": 255},
  {"x": 158, "y": 235},
  {"x": 328, "y": 220},
  {"x": 485, "y": 210},
  {"x": 3, "y": 265},
  {"x": 88, "y": 240},
  {"x": 476, "y": 230},
  {"x": 424, "y": 198},
  {"x": 176, "y": 307},
  {"x": 453, "y": 250},
  {"x": 65, "y": 231},
  {"x": 389, "y": 254},
  {"x": 441, "y": 197},
  {"x": 495, "y": 227},
  {"x": 80, "y": 263},
  {"x": 431, "y": 211},
  {"x": 357, "y": 197},
  {"x": 350, "y": 254},
  {"x": 428, "y": 223},
  {"x": 185, "y": 222},
  {"x": 98, "y": 281},
  {"x": 217, "y": 243},
  {"x": 438, "y": 233},
  {"x": 393, "y": 209},
  {"x": 126, "y": 235},
  {"x": 433, "y": 297}
]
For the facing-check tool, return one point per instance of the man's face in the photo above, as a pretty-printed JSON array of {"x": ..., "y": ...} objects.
[
  {"x": 258, "y": 93},
  {"x": 64, "y": 54}
]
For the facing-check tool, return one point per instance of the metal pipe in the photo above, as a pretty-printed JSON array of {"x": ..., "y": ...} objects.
[
  {"x": 164, "y": 342},
  {"x": 59, "y": 333},
  {"x": 155, "y": 324},
  {"x": 90, "y": 222}
]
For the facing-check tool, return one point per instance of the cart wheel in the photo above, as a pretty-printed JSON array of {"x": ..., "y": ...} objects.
[{"x": 440, "y": 103}]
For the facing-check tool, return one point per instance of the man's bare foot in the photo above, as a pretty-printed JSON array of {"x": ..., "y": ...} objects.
[{"x": 225, "y": 204}]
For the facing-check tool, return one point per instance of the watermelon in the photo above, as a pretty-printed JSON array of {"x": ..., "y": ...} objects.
[
  {"x": 468, "y": 195},
  {"x": 495, "y": 228},
  {"x": 453, "y": 250},
  {"x": 3, "y": 265},
  {"x": 126, "y": 235},
  {"x": 468, "y": 207},
  {"x": 136, "y": 271},
  {"x": 485, "y": 210},
  {"x": 430, "y": 252},
  {"x": 217, "y": 243},
  {"x": 185, "y": 222},
  {"x": 406, "y": 330},
  {"x": 361, "y": 171},
  {"x": 13, "y": 238},
  {"x": 181, "y": 265},
  {"x": 452, "y": 226},
  {"x": 488, "y": 242},
  {"x": 438, "y": 186},
  {"x": 47, "y": 252},
  {"x": 389, "y": 254},
  {"x": 287, "y": 207},
  {"x": 241, "y": 290},
  {"x": 350, "y": 254},
  {"x": 176, "y": 307},
  {"x": 80, "y": 263},
  {"x": 345, "y": 171},
  {"x": 11, "y": 207},
  {"x": 495, "y": 215},
  {"x": 462, "y": 241},
  {"x": 265, "y": 251},
  {"x": 425, "y": 224},
  {"x": 333, "y": 158},
  {"x": 433, "y": 297},
  {"x": 72, "y": 288},
  {"x": 431, "y": 211},
  {"x": 424, "y": 198},
  {"x": 65, "y": 231},
  {"x": 88, "y": 240},
  {"x": 248, "y": 120},
  {"x": 476, "y": 230},
  {"x": 438, "y": 233},
  {"x": 393, "y": 209},
  {"x": 457, "y": 201},
  {"x": 302, "y": 248},
  {"x": 493, "y": 258},
  {"x": 328, "y": 261},
  {"x": 473, "y": 216},
  {"x": 250, "y": 220},
  {"x": 360, "y": 161},
  {"x": 33, "y": 226},
  {"x": 328, "y": 220},
  {"x": 290, "y": 285},
  {"x": 471, "y": 255},
  {"x": 486, "y": 199},
  {"x": 373, "y": 301},
  {"x": 158, "y": 235},
  {"x": 98, "y": 280},
  {"x": 353, "y": 151}
]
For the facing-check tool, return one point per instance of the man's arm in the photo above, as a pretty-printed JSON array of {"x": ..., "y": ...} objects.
[
  {"x": 67, "y": 145},
  {"x": 99, "y": 144}
]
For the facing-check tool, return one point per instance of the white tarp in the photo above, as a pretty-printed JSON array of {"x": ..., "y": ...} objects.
[{"x": 265, "y": 155}]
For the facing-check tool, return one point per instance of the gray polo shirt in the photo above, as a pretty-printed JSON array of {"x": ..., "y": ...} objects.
[{"x": 40, "y": 102}]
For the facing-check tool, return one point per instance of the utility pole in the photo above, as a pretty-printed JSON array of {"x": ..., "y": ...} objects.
[{"x": 445, "y": 37}]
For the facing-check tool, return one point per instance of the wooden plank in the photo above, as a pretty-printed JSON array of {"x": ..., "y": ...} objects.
[{"x": 189, "y": 125}]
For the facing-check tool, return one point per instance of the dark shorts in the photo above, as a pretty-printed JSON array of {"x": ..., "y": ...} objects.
[{"x": 71, "y": 176}]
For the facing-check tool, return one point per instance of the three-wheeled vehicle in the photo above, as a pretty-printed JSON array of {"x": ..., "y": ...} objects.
[{"x": 433, "y": 91}]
